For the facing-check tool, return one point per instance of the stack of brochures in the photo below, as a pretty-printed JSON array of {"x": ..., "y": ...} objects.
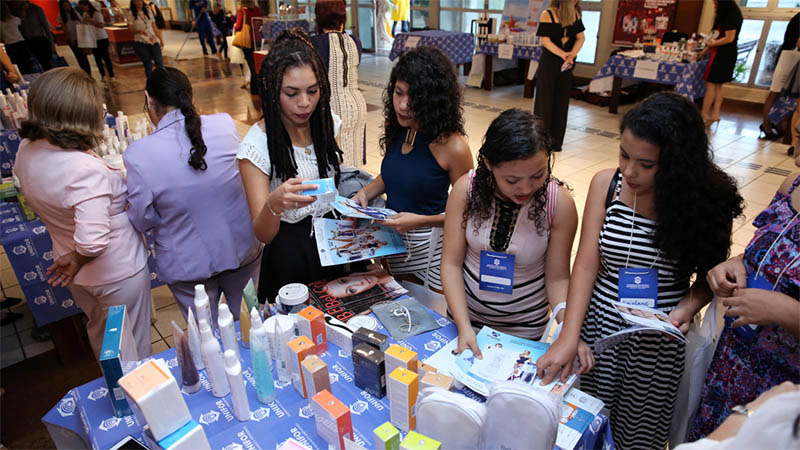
[{"x": 642, "y": 319}]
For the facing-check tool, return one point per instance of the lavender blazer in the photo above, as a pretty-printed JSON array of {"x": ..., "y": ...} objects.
[{"x": 200, "y": 219}]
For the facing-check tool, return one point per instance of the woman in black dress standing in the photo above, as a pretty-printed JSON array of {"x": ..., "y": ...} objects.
[
  {"x": 727, "y": 23},
  {"x": 561, "y": 30}
]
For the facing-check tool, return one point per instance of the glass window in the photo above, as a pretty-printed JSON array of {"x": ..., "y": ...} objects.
[
  {"x": 450, "y": 20},
  {"x": 420, "y": 18},
  {"x": 788, "y": 4},
  {"x": 366, "y": 22},
  {"x": 753, "y": 3},
  {"x": 591, "y": 21},
  {"x": 772, "y": 48},
  {"x": 748, "y": 38}
]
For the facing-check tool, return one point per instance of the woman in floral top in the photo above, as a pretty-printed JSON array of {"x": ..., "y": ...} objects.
[{"x": 759, "y": 345}]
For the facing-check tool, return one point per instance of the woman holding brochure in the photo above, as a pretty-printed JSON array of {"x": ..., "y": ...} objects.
[
  {"x": 294, "y": 142},
  {"x": 760, "y": 344},
  {"x": 631, "y": 235},
  {"x": 509, "y": 207}
]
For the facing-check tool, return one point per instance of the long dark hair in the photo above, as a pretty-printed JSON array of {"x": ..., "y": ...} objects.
[
  {"x": 92, "y": 9},
  {"x": 695, "y": 200},
  {"x": 514, "y": 135},
  {"x": 435, "y": 95},
  {"x": 724, "y": 9},
  {"x": 291, "y": 49},
  {"x": 169, "y": 86},
  {"x": 135, "y": 12},
  {"x": 72, "y": 14}
]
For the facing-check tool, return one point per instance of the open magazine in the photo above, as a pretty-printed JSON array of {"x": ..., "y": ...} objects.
[
  {"x": 355, "y": 293},
  {"x": 642, "y": 319},
  {"x": 352, "y": 208},
  {"x": 344, "y": 241}
]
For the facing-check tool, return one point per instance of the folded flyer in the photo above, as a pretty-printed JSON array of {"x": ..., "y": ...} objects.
[
  {"x": 344, "y": 241},
  {"x": 352, "y": 208},
  {"x": 643, "y": 319},
  {"x": 505, "y": 357}
]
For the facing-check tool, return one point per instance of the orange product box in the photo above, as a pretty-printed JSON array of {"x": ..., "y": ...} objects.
[
  {"x": 311, "y": 323},
  {"x": 399, "y": 356},
  {"x": 402, "y": 388},
  {"x": 436, "y": 379},
  {"x": 423, "y": 369},
  {"x": 333, "y": 420},
  {"x": 299, "y": 348}
]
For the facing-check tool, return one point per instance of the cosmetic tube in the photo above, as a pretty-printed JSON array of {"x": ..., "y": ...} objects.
[
  {"x": 189, "y": 376},
  {"x": 194, "y": 341},
  {"x": 250, "y": 295},
  {"x": 233, "y": 369},
  {"x": 244, "y": 325},
  {"x": 212, "y": 358},
  {"x": 262, "y": 371},
  {"x": 281, "y": 354},
  {"x": 227, "y": 330},
  {"x": 202, "y": 306}
]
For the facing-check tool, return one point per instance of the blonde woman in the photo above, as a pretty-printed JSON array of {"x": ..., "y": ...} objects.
[
  {"x": 98, "y": 255},
  {"x": 561, "y": 30}
]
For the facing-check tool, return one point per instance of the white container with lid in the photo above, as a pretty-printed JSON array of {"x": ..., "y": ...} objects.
[{"x": 291, "y": 295}]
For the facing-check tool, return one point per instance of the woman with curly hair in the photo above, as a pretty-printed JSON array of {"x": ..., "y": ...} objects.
[
  {"x": 665, "y": 212},
  {"x": 294, "y": 142},
  {"x": 425, "y": 151},
  {"x": 510, "y": 206}
]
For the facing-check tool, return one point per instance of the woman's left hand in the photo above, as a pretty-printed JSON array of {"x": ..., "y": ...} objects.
[
  {"x": 681, "y": 317},
  {"x": 404, "y": 221},
  {"x": 755, "y": 306}
]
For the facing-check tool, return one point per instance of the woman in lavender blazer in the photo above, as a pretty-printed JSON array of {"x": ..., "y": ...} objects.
[{"x": 183, "y": 183}]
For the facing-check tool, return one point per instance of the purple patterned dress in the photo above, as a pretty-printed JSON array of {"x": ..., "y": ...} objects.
[{"x": 743, "y": 368}]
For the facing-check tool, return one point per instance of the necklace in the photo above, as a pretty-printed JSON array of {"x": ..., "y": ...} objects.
[{"x": 411, "y": 136}]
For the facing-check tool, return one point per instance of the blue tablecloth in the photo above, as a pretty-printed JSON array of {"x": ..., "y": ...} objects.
[
  {"x": 520, "y": 51},
  {"x": 686, "y": 77},
  {"x": 458, "y": 46},
  {"x": 289, "y": 415},
  {"x": 30, "y": 252},
  {"x": 270, "y": 29},
  {"x": 783, "y": 108}
]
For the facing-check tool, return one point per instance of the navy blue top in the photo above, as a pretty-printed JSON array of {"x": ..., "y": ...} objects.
[{"x": 414, "y": 182}]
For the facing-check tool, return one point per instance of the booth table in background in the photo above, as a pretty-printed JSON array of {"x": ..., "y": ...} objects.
[
  {"x": 121, "y": 43},
  {"x": 265, "y": 28},
  {"x": 84, "y": 416},
  {"x": 458, "y": 46},
  {"x": 782, "y": 112},
  {"x": 531, "y": 54},
  {"x": 686, "y": 77}
]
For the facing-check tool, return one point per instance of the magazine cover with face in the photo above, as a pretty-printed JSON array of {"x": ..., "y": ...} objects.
[
  {"x": 353, "y": 294},
  {"x": 345, "y": 241}
]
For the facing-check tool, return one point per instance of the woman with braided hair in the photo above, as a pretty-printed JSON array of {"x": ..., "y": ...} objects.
[
  {"x": 183, "y": 185},
  {"x": 295, "y": 141}
]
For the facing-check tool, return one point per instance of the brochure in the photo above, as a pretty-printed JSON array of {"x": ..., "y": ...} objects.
[
  {"x": 345, "y": 297},
  {"x": 577, "y": 413},
  {"x": 352, "y": 208},
  {"x": 344, "y": 241},
  {"x": 643, "y": 319},
  {"x": 505, "y": 357}
]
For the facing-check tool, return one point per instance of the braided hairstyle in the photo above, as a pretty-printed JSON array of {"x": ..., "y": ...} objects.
[
  {"x": 169, "y": 86},
  {"x": 291, "y": 49},
  {"x": 514, "y": 135}
]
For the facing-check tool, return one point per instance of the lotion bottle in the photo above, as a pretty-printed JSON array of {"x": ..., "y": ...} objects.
[
  {"x": 227, "y": 330},
  {"x": 265, "y": 384},
  {"x": 212, "y": 358},
  {"x": 233, "y": 370}
]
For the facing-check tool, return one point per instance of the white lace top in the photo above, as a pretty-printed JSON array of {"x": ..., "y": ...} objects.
[{"x": 254, "y": 149}]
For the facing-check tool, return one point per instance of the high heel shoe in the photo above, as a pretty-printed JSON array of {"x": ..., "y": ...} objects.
[
  {"x": 790, "y": 151},
  {"x": 768, "y": 135}
]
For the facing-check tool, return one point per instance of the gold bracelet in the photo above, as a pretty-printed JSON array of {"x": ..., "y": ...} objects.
[{"x": 272, "y": 211}]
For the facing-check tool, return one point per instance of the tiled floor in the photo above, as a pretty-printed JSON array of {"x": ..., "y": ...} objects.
[{"x": 591, "y": 144}]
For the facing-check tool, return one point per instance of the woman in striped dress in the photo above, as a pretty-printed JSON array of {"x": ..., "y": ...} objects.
[
  {"x": 668, "y": 208},
  {"x": 425, "y": 151},
  {"x": 510, "y": 204}
]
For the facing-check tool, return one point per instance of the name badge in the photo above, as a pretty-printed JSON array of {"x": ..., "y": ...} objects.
[
  {"x": 497, "y": 272},
  {"x": 638, "y": 286},
  {"x": 750, "y": 331}
]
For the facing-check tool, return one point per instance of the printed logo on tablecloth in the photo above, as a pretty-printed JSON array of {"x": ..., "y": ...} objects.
[
  {"x": 259, "y": 414},
  {"x": 306, "y": 412},
  {"x": 68, "y": 303},
  {"x": 333, "y": 377},
  {"x": 39, "y": 230},
  {"x": 300, "y": 436},
  {"x": 359, "y": 407},
  {"x": 209, "y": 417},
  {"x": 343, "y": 354},
  {"x": 7, "y": 166},
  {"x": 432, "y": 346},
  {"x": 377, "y": 404},
  {"x": 98, "y": 394},
  {"x": 282, "y": 384},
  {"x": 172, "y": 363},
  {"x": 40, "y": 300},
  {"x": 442, "y": 321},
  {"x": 9, "y": 220},
  {"x": 48, "y": 256},
  {"x": 342, "y": 372},
  {"x": 12, "y": 230},
  {"x": 110, "y": 423},
  {"x": 233, "y": 446},
  {"x": 19, "y": 250},
  {"x": 66, "y": 407}
]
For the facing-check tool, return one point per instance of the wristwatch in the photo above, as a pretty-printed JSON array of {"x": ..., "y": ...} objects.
[{"x": 741, "y": 409}]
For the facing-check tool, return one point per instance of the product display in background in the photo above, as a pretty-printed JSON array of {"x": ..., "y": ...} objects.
[
  {"x": 353, "y": 294},
  {"x": 638, "y": 20},
  {"x": 345, "y": 241}
]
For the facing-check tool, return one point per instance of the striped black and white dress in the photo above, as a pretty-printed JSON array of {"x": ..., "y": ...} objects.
[{"x": 637, "y": 379}]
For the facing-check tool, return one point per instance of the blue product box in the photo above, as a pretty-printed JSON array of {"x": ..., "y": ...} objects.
[{"x": 117, "y": 356}]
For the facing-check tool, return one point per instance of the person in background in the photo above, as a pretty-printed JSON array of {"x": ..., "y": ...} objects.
[
  {"x": 93, "y": 17},
  {"x": 220, "y": 19},
  {"x": 160, "y": 23},
  {"x": 425, "y": 152},
  {"x": 97, "y": 253},
  {"x": 202, "y": 22},
  {"x": 295, "y": 141},
  {"x": 400, "y": 14},
  {"x": 38, "y": 33},
  {"x": 118, "y": 14},
  {"x": 247, "y": 10},
  {"x": 341, "y": 54},
  {"x": 9, "y": 73},
  {"x": 561, "y": 30},
  {"x": 69, "y": 20},
  {"x": 147, "y": 38},
  {"x": 631, "y": 229},
  {"x": 727, "y": 23},
  {"x": 760, "y": 344},
  {"x": 511, "y": 204},
  {"x": 11, "y": 37},
  {"x": 788, "y": 56},
  {"x": 183, "y": 184}
]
